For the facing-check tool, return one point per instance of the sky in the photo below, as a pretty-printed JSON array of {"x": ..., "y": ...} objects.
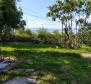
[
  {"x": 35, "y": 11},
  {"x": 39, "y": 8}
]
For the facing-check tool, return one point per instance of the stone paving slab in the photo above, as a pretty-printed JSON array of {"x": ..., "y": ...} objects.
[
  {"x": 86, "y": 55},
  {"x": 3, "y": 65},
  {"x": 21, "y": 80}
]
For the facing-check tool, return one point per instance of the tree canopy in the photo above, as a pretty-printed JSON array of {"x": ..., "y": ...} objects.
[
  {"x": 10, "y": 16},
  {"x": 67, "y": 11}
]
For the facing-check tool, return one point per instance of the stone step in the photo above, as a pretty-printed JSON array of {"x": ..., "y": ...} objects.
[
  {"x": 3, "y": 65},
  {"x": 86, "y": 56},
  {"x": 21, "y": 80}
]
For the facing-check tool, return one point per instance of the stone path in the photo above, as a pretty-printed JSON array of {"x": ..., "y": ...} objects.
[
  {"x": 21, "y": 80},
  {"x": 86, "y": 56},
  {"x": 6, "y": 65},
  {"x": 3, "y": 65}
]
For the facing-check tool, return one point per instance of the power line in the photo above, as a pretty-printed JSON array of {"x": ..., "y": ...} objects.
[
  {"x": 33, "y": 14},
  {"x": 38, "y": 16},
  {"x": 31, "y": 11}
]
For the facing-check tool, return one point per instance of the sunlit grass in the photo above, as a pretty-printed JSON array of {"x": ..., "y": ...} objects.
[
  {"x": 54, "y": 65},
  {"x": 42, "y": 47}
]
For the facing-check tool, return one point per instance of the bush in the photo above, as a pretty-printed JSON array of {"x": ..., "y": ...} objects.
[
  {"x": 56, "y": 37},
  {"x": 43, "y": 35}
]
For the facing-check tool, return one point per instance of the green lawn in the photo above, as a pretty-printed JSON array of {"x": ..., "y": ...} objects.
[{"x": 54, "y": 65}]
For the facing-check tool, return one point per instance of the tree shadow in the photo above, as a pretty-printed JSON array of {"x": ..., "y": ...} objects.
[
  {"x": 55, "y": 67},
  {"x": 26, "y": 45}
]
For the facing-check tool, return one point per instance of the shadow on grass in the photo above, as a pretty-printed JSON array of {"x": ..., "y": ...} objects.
[
  {"x": 26, "y": 45},
  {"x": 55, "y": 67}
]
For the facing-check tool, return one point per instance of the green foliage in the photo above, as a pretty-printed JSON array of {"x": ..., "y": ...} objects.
[
  {"x": 85, "y": 34},
  {"x": 43, "y": 35},
  {"x": 64, "y": 11},
  {"x": 24, "y": 33},
  {"x": 10, "y": 17},
  {"x": 67, "y": 11},
  {"x": 56, "y": 37}
]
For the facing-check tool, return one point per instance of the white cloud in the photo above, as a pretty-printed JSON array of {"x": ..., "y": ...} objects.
[{"x": 45, "y": 24}]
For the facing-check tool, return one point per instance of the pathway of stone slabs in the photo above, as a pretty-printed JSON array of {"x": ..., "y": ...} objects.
[
  {"x": 21, "y": 80},
  {"x": 4, "y": 64}
]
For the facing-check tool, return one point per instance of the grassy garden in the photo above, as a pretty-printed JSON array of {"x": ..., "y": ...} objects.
[
  {"x": 41, "y": 56},
  {"x": 50, "y": 65}
]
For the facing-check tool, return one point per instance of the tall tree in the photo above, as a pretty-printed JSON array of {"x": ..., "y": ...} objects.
[
  {"x": 64, "y": 11},
  {"x": 67, "y": 11},
  {"x": 10, "y": 17}
]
